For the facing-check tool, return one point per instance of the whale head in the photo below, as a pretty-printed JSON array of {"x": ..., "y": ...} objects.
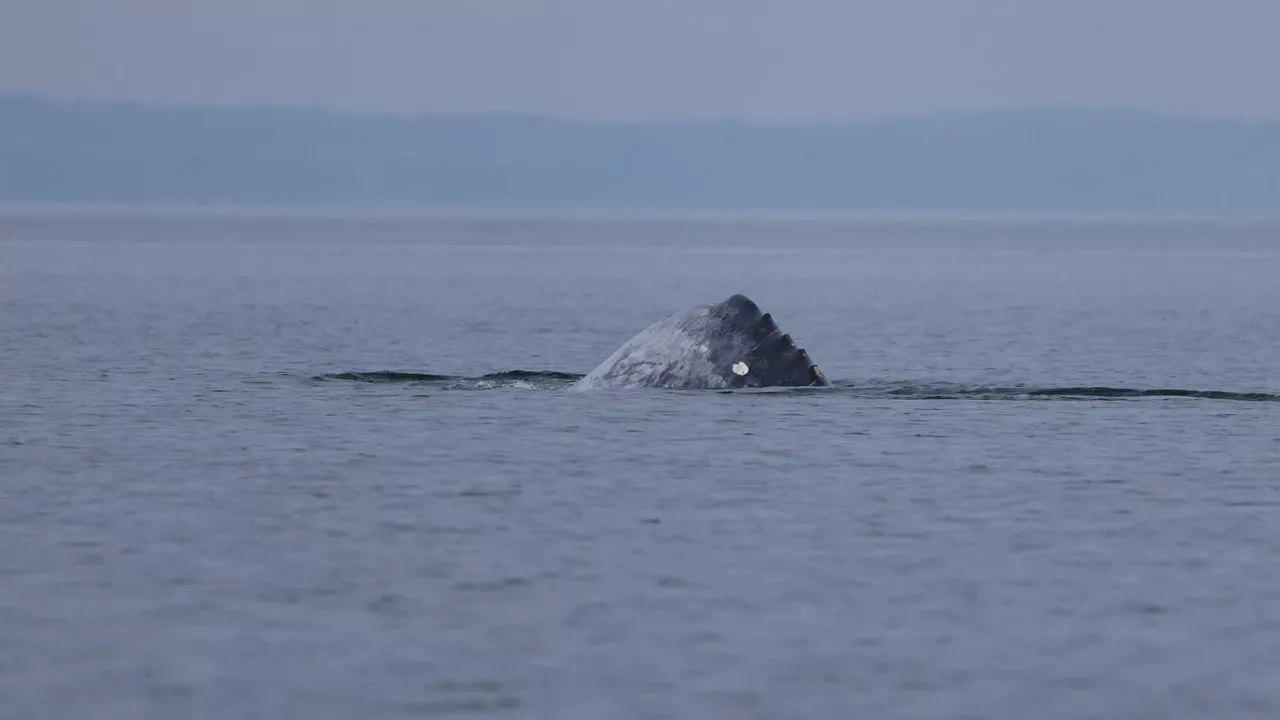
[
  {"x": 729, "y": 344},
  {"x": 771, "y": 357}
]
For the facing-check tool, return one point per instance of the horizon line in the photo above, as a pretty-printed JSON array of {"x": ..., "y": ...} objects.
[
  {"x": 718, "y": 119},
  {"x": 657, "y": 214}
]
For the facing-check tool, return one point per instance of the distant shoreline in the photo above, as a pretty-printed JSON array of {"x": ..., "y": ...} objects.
[{"x": 1060, "y": 165}]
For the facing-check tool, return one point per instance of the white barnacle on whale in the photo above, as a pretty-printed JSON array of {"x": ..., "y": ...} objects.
[{"x": 740, "y": 368}]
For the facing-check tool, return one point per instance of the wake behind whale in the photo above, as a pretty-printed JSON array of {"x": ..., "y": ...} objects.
[
  {"x": 724, "y": 345},
  {"x": 877, "y": 390},
  {"x": 732, "y": 345}
]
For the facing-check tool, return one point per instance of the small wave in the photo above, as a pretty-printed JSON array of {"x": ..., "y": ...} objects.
[{"x": 531, "y": 375}]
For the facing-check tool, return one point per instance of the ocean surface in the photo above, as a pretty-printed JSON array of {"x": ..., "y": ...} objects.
[{"x": 306, "y": 466}]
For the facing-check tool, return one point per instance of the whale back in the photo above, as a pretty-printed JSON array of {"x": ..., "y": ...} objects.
[{"x": 725, "y": 345}]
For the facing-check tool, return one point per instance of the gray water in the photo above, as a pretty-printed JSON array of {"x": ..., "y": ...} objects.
[{"x": 252, "y": 467}]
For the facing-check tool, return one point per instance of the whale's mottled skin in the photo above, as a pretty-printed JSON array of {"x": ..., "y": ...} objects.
[{"x": 726, "y": 345}]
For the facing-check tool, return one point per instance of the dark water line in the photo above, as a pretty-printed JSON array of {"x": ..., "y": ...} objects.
[
  {"x": 1113, "y": 392},
  {"x": 393, "y": 376},
  {"x": 912, "y": 391},
  {"x": 1096, "y": 392},
  {"x": 385, "y": 376},
  {"x": 1091, "y": 393}
]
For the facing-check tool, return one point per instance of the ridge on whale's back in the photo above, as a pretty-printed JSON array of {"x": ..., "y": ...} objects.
[{"x": 724, "y": 345}]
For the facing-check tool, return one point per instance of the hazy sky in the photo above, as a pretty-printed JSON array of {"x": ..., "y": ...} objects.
[{"x": 751, "y": 59}]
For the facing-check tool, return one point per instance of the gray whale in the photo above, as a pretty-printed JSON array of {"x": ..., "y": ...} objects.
[{"x": 725, "y": 345}]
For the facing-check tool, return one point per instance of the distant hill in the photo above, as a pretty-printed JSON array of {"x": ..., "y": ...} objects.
[{"x": 1058, "y": 161}]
